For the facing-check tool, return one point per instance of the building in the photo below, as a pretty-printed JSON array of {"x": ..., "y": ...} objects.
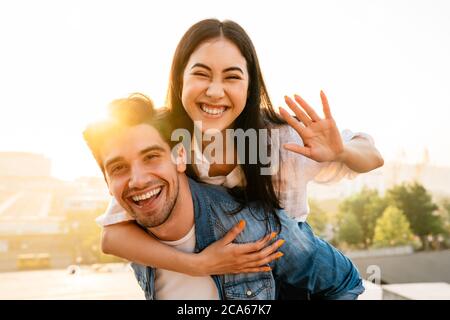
[
  {"x": 35, "y": 228},
  {"x": 435, "y": 179},
  {"x": 24, "y": 164}
]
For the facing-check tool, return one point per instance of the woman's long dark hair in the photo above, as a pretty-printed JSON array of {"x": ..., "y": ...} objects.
[{"x": 258, "y": 111}]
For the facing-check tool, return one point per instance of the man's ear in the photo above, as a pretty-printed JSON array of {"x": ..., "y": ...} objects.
[
  {"x": 109, "y": 189},
  {"x": 180, "y": 157}
]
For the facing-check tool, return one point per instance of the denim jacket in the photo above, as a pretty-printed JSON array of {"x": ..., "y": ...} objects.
[{"x": 309, "y": 263}]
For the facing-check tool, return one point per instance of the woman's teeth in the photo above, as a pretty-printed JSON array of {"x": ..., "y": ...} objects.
[
  {"x": 147, "y": 195},
  {"x": 212, "y": 111}
]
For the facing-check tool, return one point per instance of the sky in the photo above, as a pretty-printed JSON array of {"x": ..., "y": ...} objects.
[{"x": 384, "y": 66}]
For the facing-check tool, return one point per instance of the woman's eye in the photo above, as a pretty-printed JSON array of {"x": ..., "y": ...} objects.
[
  {"x": 234, "y": 77},
  {"x": 200, "y": 74}
]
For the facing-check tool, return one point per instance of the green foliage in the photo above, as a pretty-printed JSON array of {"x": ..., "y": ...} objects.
[
  {"x": 365, "y": 207},
  {"x": 318, "y": 219},
  {"x": 444, "y": 211},
  {"x": 416, "y": 203},
  {"x": 350, "y": 231},
  {"x": 392, "y": 229},
  {"x": 86, "y": 237},
  {"x": 360, "y": 214}
]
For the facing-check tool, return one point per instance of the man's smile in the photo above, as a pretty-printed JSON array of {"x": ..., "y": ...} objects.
[{"x": 145, "y": 199}]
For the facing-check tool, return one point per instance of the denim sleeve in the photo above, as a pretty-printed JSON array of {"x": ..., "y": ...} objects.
[
  {"x": 312, "y": 264},
  {"x": 140, "y": 274}
]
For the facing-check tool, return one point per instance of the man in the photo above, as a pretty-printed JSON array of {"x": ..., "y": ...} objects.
[{"x": 133, "y": 150}]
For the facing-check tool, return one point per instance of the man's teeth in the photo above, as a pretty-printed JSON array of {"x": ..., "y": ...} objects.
[
  {"x": 212, "y": 111},
  {"x": 147, "y": 195}
]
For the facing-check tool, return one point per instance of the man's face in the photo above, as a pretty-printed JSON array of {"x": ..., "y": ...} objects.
[{"x": 141, "y": 174}]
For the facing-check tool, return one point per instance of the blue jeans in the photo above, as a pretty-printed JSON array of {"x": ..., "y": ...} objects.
[
  {"x": 351, "y": 294},
  {"x": 285, "y": 291}
]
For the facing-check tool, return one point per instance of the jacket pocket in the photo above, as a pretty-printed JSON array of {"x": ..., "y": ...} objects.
[{"x": 250, "y": 288}]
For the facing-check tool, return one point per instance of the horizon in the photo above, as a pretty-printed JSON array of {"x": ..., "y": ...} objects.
[{"x": 98, "y": 174}]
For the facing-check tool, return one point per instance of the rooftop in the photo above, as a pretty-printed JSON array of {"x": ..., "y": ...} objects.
[
  {"x": 96, "y": 282},
  {"x": 430, "y": 266}
]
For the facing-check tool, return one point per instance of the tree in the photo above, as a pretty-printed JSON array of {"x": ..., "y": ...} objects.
[
  {"x": 366, "y": 207},
  {"x": 445, "y": 214},
  {"x": 86, "y": 236},
  {"x": 392, "y": 229},
  {"x": 416, "y": 203},
  {"x": 318, "y": 219},
  {"x": 350, "y": 230}
]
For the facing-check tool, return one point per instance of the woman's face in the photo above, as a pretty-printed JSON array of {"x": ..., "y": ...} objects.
[{"x": 215, "y": 84}]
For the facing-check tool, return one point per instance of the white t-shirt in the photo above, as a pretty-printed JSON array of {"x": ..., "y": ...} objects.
[
  {"x": 290, "y": 183},
  {"x": 170, "y": 285}
]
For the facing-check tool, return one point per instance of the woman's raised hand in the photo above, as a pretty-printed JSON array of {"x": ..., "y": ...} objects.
[
  {"x": 321, "y": 138},
  {"x": 226, "y": 257}
]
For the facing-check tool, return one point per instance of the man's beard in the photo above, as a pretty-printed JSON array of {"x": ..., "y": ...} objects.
[{"x": 157, "y": 219}]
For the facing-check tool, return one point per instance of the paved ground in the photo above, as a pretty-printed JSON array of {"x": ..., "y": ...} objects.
[
  {"x": 373, "y": 292},
  {"x": 116, "y": 284},
  {"x": 102, "y": 282}
]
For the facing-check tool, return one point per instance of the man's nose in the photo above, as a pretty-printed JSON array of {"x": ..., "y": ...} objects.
[
  {"x": 215, "y": 90},
  {"x": 138, "y": 178}
]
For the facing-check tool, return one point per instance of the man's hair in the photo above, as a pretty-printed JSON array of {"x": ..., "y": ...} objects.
[{"x": 124, "y": 113}]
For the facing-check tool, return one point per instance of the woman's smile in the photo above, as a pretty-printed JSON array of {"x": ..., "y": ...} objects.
[{"x": 213, "y": 111}]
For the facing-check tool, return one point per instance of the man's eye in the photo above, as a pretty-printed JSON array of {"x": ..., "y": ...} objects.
[
  {"x": 118, "y": 168},
  {"x": 151, "y": 156}
]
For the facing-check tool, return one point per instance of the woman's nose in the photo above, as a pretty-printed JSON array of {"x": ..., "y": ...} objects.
[{"x": 215, "y": 90}]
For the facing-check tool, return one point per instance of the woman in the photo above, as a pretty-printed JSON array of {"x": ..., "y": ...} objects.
[{"x": 216, "y": 80}]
